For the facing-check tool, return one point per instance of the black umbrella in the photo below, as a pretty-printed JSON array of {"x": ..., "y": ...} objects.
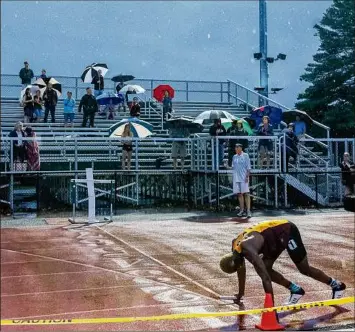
[
  {"x": 250, "y": 121},
  {"x": 184, "y": 122},
  {"x": 122, "y": 78},
  {"x": 290, "y": 116},
  {"x": 91, "y": 71}
]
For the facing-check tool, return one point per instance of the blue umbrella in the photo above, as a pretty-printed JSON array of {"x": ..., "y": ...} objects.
[
  {"x": 108, "y": 98},
  {"x": 139, "y": 128}
]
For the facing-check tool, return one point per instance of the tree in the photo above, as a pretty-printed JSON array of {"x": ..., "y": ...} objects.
[{"x": 330, "y": 98}]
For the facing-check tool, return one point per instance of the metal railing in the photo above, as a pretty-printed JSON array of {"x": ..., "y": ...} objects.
[
  {"x": 185, "y": 90},
  {"x": 252, "y": 99}
]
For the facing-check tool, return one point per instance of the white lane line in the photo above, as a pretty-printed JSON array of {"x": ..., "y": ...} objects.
[
  {"x": 123, "y": 274},
  {"x": 176, "y": 305},
  {"x": 23, "y": 262},
  {"x": 48, "y": 274},
  {"x": 215, "y": 295},
  {"x": 70, "y": 290}
]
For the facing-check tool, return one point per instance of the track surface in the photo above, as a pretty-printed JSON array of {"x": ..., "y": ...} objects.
[{"x": 161, "y": 265}]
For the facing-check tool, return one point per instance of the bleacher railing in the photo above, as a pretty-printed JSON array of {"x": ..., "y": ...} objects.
[
  {"x": 185, "y": 90},
  {"x": 72, "y": 149},
  {"x": 241, "y": 94}
]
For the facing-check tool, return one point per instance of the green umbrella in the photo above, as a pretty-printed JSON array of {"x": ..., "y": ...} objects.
[{"x": 227, "y": 123}]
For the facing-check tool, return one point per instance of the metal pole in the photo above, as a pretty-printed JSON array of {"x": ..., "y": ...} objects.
[
  {"x": 276, "y": 192},
  {"x": 187, "y": 91},
  {"x": 264, "y": 75},
  {"x": 221, "y": 92},
  {"x": 229, "y": 92}
]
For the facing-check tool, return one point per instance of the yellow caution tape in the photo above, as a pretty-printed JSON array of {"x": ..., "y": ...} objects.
[{"x": 174, "y": 316}]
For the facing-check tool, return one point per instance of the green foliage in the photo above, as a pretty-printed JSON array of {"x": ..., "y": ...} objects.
[{"x": 330, "y": 98}]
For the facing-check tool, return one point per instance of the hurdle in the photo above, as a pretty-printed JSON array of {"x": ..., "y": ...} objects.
[{"x": 92, "y": 194}]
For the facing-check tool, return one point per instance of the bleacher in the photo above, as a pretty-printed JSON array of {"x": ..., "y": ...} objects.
[{"x": 55, "y": 151}]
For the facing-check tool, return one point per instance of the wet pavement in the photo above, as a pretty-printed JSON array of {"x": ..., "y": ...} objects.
[{"x": 149, "y": 264}]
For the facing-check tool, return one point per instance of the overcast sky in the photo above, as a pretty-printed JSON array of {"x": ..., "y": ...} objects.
[{"x": 196, "y": 40}]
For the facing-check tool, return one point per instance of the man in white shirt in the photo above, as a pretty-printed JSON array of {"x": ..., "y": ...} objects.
[{"x": 241, "y": 173}]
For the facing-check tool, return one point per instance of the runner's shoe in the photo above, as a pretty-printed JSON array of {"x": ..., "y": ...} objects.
[
  {"x": 338, "y": 291},
  {"x": 295, "y": 296},
  {"x": 248, "y": 214},
  {"x": 241, "y": 214}
]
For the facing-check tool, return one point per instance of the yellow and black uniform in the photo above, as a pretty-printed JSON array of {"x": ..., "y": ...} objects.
[{"x": 278, "y": 235}]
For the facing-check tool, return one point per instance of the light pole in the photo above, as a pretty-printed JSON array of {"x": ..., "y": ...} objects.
[
  {"x": 264, "y": 75},
  {"x": 262, "y": 55}
]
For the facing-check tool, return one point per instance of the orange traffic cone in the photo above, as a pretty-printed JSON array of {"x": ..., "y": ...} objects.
[{"x": 269, "y": 319}]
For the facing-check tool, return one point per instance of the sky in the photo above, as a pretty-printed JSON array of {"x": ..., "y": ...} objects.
[{"x": 183, "y": 40}]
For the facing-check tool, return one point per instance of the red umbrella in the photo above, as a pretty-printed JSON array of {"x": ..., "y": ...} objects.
[{"x": 159, "y": 92}]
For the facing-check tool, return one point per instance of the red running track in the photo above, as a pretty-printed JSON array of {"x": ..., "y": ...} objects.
[{"x": 148, "y": 268}]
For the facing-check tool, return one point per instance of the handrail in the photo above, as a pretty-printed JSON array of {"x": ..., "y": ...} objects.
[{"x": 258, "y": 95}]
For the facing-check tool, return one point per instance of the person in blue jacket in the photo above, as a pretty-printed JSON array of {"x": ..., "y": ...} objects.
[{"x": 69, "y": 112}]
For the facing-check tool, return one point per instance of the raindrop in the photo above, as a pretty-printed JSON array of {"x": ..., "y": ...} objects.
[
  {"x": 208, "y": 36},
  {"x": 16, "y": 15},
  {"x": 254, "y": 31}
]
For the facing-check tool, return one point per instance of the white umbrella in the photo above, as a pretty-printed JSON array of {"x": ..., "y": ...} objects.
[
  {"x": 43, "y": 85},
  {"x": 33, "y": 88},
  {"x": 132, "y": 88},
  {"x": 210, "y": 116}
]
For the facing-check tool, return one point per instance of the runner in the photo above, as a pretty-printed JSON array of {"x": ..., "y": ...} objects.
[{"x": 261, "y": 245}]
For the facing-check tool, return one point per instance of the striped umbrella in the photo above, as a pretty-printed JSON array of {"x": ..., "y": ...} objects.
[
  {"x": 43, "y": 85},
  {"x": 91, "y": 71},
  {"x": 139, "y": 128}
]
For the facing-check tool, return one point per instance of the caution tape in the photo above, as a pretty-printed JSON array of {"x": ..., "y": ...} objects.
[{"x": 63, "y": 321}]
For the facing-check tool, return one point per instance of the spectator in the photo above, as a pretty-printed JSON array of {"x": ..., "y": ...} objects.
[
  {"x": 290, "y": 145},
  {"x": 127, "y": 147},
  {"x": 241, "y": 173},
  {"x": 18, "y": 144},
  {"x": 50, "y": 98},
  {"x": 236, "y": 130},
  {"x": 43, "y": 75},
  {"x": 26, "y": 75},
  {"x": 119, "y": 86},
  {"x": 347, "y": 169},
  {"x": 69, "y": 113},
  {"x": 167, "y": 106},
  {"x": 218, "y": 130},
  {"x": 32, "y": 151},
  {"x": 37, "y": 105},
  {"x": 300, "y": 128},
  {"x": 179, "y": 148},
  {"x": 135, "y": 108},
  {"x": 98, "y": 82},
  {"x": 28, "y": 108},
  {"x": 89, "y": 105},
  {"x": 265, "y": 145}
]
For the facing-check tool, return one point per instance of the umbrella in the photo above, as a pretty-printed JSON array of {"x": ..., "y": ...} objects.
[
  {"x": 159, "y": 91},
  {"x": 107, "y": 98},
  {"x": 43, "y": 85},
  {"x": 184, "y": 122},
  {"x": 227, "y": 123},
  {"x": 91, "y": 71},
  {"x": 290, "y": 116},
  {"x": 209, "y": 116},
  {"x": 250, "y": 121},
  {"x": 33, "y": 88},
  {"x": 274, "y": 113},
  {"x": 139, "y": 128},
  {"x": 132, "y": 88},
  {"x": 122, "y": 78}
]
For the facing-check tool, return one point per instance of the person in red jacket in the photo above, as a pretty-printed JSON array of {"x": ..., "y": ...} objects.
[{"x": 135, "y": 108}]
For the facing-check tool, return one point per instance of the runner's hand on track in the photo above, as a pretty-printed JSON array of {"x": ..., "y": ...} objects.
[{"x": 238, "y": 299}]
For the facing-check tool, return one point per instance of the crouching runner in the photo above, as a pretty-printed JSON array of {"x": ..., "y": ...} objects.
[{"x": 261, "y": 245}]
